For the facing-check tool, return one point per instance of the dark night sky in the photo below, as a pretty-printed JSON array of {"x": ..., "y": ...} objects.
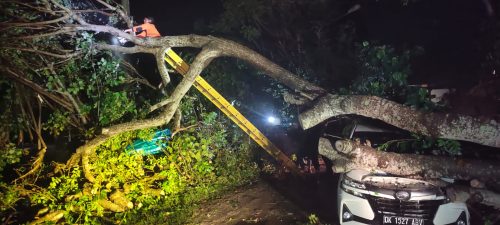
[
  {"x": 175, "y": 17},
  {"x": 449, "y": 30}
]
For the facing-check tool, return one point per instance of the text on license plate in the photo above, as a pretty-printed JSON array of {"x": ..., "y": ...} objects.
[{"x": 402, "y": 220}]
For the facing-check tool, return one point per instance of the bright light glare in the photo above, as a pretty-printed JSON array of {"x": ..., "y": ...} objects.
[
  {"x": 122, "y": 40},
  {"x": 115, "y": 41},
  {"x": 273, "y": 120},
  {"x": 118, "y": 41}
]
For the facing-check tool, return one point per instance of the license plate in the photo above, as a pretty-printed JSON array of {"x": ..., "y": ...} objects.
[{"x": 402, "y": 220}]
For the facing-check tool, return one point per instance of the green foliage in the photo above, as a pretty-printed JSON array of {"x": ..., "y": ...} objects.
[
  {"x": 452, "y": 147},
  {"x": 12, "y": 120},
  {"x": 9, "y": 195},
  {"x": 93, "y": 84},
  {"x": 57, "y": 122},
  {"x": 242, "y": 17},
  {"x": 114, "y": 106},
  {"x": 98, "y": 78},
  {"x": 9, "y": 154},
  {"x": 84, "y": 41},
  {"x": 384, "y": 72},
  {"x": 313, "y": 219},
  {"x": 421, "y": 99},
  {"x": 195, "y": 166},
  {"x": 62, "y": 186},
  {"x": 222, "y": 168}
]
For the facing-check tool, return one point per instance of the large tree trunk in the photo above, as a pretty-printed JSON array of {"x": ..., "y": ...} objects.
[
  {"x": 347, "y": 155},
  {"x": 443, "y": 125}
]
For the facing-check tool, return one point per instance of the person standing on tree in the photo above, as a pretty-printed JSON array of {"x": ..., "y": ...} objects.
[{"x": 147, "y": 29}]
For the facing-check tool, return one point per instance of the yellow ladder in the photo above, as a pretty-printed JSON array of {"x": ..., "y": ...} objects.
[{"x": 176, "y": 62}]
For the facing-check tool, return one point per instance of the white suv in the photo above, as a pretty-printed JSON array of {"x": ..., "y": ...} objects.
[{"x": 378, "y": 198}]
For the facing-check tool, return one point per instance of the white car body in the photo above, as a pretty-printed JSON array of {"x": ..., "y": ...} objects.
[{"x": 372, "y": 198}]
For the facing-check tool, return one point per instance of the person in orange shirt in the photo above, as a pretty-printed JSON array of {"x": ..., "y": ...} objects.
[{"x": 147, "y": 29}]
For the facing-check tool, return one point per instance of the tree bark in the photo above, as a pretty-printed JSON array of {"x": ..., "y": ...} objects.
[
  {"x": 477, "y": 195},
  {"x": 442, "y": 125},
  {"x": 37, "y": 89},
  {"x": 348, "y": 155},
  {"x": 51, "y": 217}
]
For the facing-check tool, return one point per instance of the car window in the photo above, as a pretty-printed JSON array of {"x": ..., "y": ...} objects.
[
  {"x": 376, "y": 138},
  {"x": 367, "y": 131},
  {"x": 340, "y": 128}
]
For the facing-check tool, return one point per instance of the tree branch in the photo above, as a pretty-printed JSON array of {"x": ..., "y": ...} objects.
[
  {"x": 85, "y": 151},
  {"x": 226, "y": 47},
  {"x": 177, "y": 120},
  {"x": 39, "y": 89},
  {"x": 180, "y": 129},
  {"x": 92, "y": 11},
  {"x": 70, "y": 97},
  {"x": 348, "y": 155},
  {"x": 60, "y": 56},
  {"x": 50, "y": 34},
  {"x": 122, "y": 13},
  {"x": 450, "y": 126},
  {"x": 162, "y": 68},
  {"x": 114, "y": 31},
  {"x": 125, "y": 50},
  {"x": 41, "y": 23}
]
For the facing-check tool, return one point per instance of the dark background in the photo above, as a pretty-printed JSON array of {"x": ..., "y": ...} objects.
[{"x": 452, "y": 32}]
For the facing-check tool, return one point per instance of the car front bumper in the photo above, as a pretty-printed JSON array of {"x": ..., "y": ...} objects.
[{"x": 363, "y": 213}]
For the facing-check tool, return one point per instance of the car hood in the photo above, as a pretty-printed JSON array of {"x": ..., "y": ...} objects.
[{"x": 379, "y": 183}]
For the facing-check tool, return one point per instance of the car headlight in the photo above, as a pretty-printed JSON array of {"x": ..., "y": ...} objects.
[
  {"x": 352, "y": 183},
  {"x": 348, "y": 182}
]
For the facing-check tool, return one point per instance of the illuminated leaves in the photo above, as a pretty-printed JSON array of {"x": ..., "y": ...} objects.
[
  {"x": 64, "y": 185},
  {"x": 194, "y": 166}
]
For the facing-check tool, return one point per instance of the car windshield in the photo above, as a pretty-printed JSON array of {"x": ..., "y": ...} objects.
[
  {"x": 340, "y": 128},
  {"x": 376, "y": 133}
]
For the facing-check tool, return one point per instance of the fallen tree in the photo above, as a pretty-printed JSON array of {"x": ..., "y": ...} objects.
[
  {"x": 61, "y": 21},
  {"x": 347, "y": 155},
  {"x": 483, "y": 131}
]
